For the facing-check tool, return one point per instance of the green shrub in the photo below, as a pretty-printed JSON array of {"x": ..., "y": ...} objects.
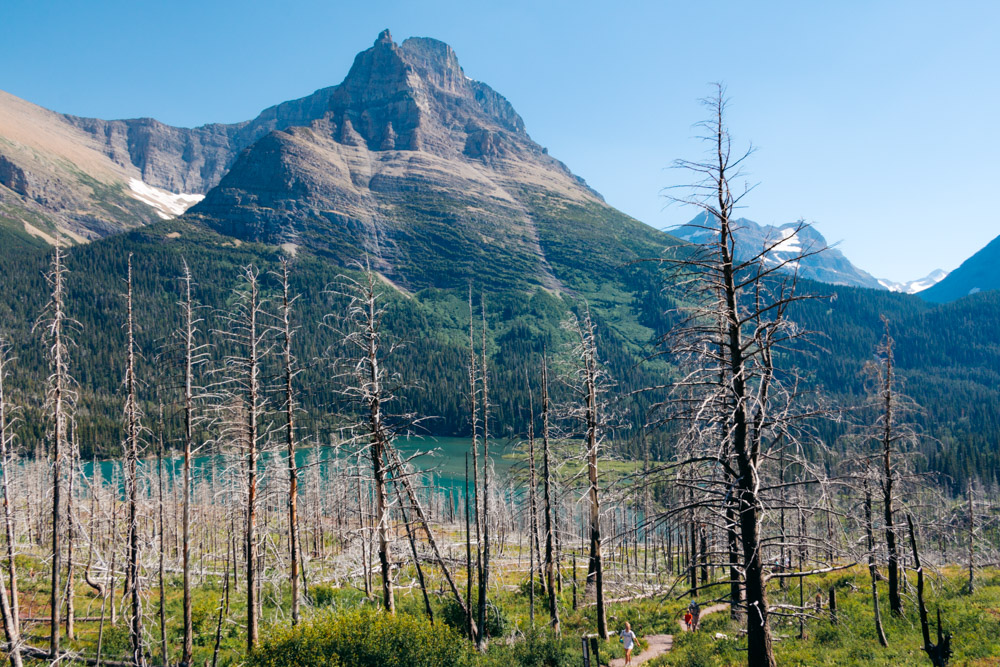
[
  {"x": 204, "y": 616},
  {"x": 525, "y": 589},
  {"x": 364, "y": 638},
  {"x": 115, "y": 642},
  {"x": 701, "y": 649},
  {"x": 322, "y": 595},
  {"x": 497, "y": 622},
  {"x": 539, "y": 648}
]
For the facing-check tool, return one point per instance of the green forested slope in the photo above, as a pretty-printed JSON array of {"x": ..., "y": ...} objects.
[
  {"x": 948, "y": 355},
  {"x": 433, "y": 324}
]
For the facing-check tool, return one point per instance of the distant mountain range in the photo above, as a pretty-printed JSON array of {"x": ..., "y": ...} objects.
[
  {"x": 338, "y": 169},
  {"x": 916, "y": 286},
  {"x": 783, "y": 242}
]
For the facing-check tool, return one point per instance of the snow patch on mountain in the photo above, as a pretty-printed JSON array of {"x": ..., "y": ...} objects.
[
  {"x": 168, "y": 205},
  {"x": 914, "y": 286},
  {"x": 789, "y": 242},
  {"x": 788, "y": 245}
]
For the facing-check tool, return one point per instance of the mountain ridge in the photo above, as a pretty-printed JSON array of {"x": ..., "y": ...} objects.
[
  {"x": 915, "y": 286},
  {"x": 979, "y": 273},
  {"x": 76, "y": 179}
]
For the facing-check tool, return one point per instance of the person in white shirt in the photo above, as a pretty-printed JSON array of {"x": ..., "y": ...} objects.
[{"x": 628, "y": 640}]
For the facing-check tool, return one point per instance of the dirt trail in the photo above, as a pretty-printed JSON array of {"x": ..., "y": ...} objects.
[
  {"x": 715, "y": 608},
  {"x": 660, "y": 644}
]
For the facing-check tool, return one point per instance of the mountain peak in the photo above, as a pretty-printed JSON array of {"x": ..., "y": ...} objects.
[
  {"x": 436, "y": 62},
  {"x": 415, "y": 96}
]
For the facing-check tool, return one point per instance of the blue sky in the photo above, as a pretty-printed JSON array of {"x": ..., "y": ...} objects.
[{"x": 875, "y": 120}]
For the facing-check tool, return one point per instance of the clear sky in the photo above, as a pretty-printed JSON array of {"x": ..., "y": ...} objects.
[{"x": 875, "y": 120}]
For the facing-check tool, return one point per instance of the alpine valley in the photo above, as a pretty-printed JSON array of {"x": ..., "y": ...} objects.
[{"x": 432, "y": 178}]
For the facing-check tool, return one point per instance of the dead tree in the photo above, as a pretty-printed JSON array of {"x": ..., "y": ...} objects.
[
  {"x": 8, "y": 598},
  {"x": 939, "y": 653},
  {"x": 893, "y": 436},
  {"x": 60, "y": 396},
  {"x": 133, "y": 432},
  {"x": 402, "y": 478},
  {"x": 287, "y": 301},
  {"x": 247, "y": 333},
  {"x": 468, "y": 555},
  {"x": 69, "y": 593},
  {"x": 484, "y": 575},
  {"x": 550, "y": 567},
  {"x": 191, "y": 358},
  {"x": 889, "y": 438},
  {"x": 164, "y": 650},
  {"x": 416, "y": 560},
  {"x": 369, "y": 388},
  {"x": 590, "y": 383},
  {"x": 734, "y": 319},
  {"x": 477, "y": 492},
  {"x": 972, "y": 538},
  {"x": 532, "y": 510},
  {"x": 872, "y": 569}
]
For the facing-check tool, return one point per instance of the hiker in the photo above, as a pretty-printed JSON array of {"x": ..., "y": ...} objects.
[
  {"x": 695, "y": 611},
  {"x": 688, "y": 620},
  {"x": 628, "y": 641}
]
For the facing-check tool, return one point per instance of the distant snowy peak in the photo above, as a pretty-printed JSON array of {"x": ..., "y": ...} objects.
[
  {"x": 914, "y": 286},
  {"x": 783, "y": 245},
  {"x": 168, "y": 205}
]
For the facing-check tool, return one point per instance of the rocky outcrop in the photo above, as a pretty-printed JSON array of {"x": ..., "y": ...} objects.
[
  {"x": 13, "y": 177},
  {"x": 415, "y": 96}
]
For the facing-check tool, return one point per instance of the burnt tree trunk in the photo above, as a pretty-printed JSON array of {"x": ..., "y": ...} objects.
[{"x": 550, "y": 565}]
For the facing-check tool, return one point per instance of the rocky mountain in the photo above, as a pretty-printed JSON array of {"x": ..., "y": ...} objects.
[
  {"x": 829, "y": 266},
  {"x": 78, "y": 179},
  {"x": 428, "y": 172},
  {"x": 914, "y": 286},
  {"x": 979, "y": 273},
  {"x": 407, "y": 161}
]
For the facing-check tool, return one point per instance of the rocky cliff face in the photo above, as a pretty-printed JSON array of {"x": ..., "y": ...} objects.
[
  {"x": 181, "y": 159},
  {"x": 55, "y": 183},
  {"x": 415, "y": 96},
  {"x": 418, "y": 166}
]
